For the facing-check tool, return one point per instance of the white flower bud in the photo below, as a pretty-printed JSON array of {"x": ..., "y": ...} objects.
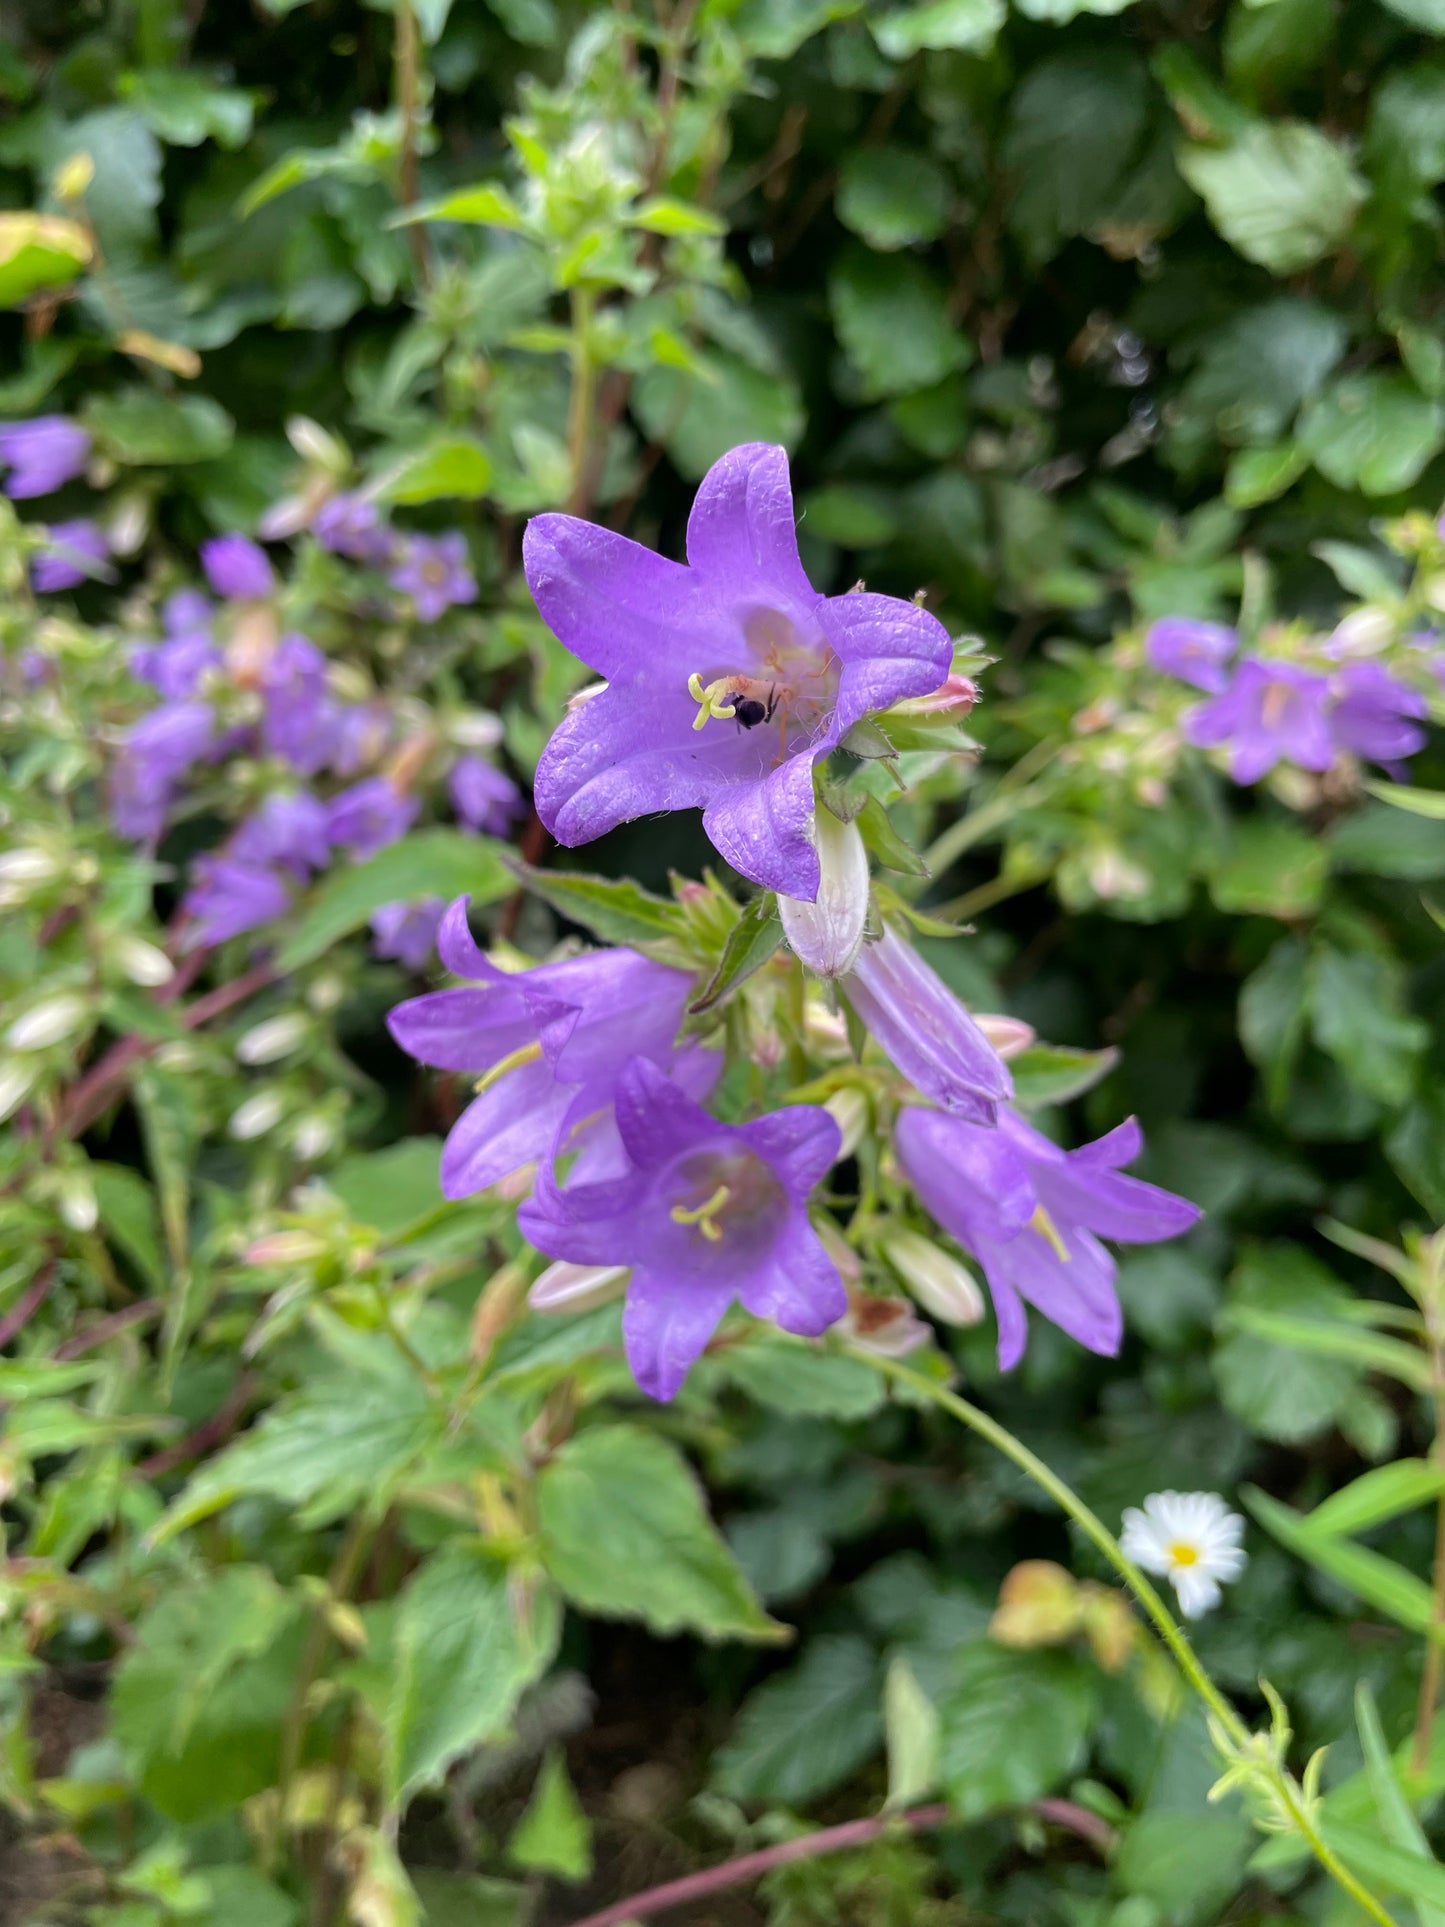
[
  {"x": 325, "y": 993},
  {"x": 566, "y": 1287},
  {"x": 46, "y": 1024},
  {"x": 257, "y": 1116},
  {"x": 1008, "y": 1035},
  {"x": 77, "y": 1202},
  {"x": 313, "y": 444},
  {"x": 314, "y": 1136},
  {"x": 827, "y": 934},
  {"x": 16, "y": 1083},
  {"x": 1363, "y": 632},
  {"x": 144, "y": 963},
  {"x": 179, "y": 1055},
  {"x": 277, "y": 1037},
  {"x": 887, "y": 1326},
  {"x": 940, "y": 1283},
  {"x": 848, "y": 1109},
  {"x": 475, "y": 729},
  {"x": 27, "y": 865}
]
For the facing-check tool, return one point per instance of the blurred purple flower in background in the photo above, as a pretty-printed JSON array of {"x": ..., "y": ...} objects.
[
  {"x": 434, "y": 572},
  {"x": 350, "y": 525},
  {"x": 1271, "y": 712},
  {"x": 78, "y": 552},
  {"x": 155, "y": 754},
  {"x": 682, "y": 647},
  {"x": 237, "y": 568},
  {"x": 1194, "y": 651},
  {"x": 368, "y": 816},
  {"x": 484, "y": 797},
  {"x": 704, "y": 1213},
  {"x": 42, "y": 455},
  {"x": 228, "y": 897},
  {"x": 296, "y": 719},
  {"x": 1033, "y": 1215},
  {"x": 289, "y": 829},
  {"x": 554, "y": 1040},
  {"x": 176, "y": 664},
  {"x": 408, "y": 931},
  {"x": 1370, "y": 710}
]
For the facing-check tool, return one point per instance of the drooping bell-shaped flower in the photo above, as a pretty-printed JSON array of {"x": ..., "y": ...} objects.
[
  {"x": 826, "y": 934},
  {"x": 926, "y": 1032},
  {"x": 1033, "y": 1216},
  {"x": 704, "y": 1213},
  {"x": 727, "y": 679},
  {"x": 549, "y": 1044}
]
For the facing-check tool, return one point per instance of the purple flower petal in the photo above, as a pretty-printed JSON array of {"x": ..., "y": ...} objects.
[
  {"x": 237, "y": 568},
  {"x": 741, "y": 526},
  {"x": 926, "y": 1031},
  {"x": 1193, "y": 651},
  {"x": 665, "y": 1330},
  {"x": 42, "y": 454},
  {"x": 1271, "y": 712}
]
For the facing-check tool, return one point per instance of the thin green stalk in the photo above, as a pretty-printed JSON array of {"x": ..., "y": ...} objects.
[
  {"x": 1228, "y": 1721},
  {"x": 579, "y": 413}
]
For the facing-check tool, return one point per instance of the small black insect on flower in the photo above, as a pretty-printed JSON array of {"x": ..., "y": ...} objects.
[{"x": 748, "y": 712}]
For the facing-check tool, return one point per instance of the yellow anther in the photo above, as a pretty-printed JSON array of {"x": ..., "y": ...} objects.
[
  {"x": 704, "y": 1215},
  {"x": 1049, "y": 1231},
  {"x": 513, "y": 1061},
  {"x": 711, "y": 700}
]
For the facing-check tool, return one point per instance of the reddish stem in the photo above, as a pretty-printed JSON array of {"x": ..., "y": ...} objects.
[
  {"x": 217, "y": 1428},
  {"x": 20, "y": 1314},
  {"x": 853, "y": 1833},
  {"x": 106, "y": 1328}
]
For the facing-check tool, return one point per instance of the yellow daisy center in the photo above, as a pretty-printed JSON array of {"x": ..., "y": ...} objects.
[{"x": 1183, "y": 1554}]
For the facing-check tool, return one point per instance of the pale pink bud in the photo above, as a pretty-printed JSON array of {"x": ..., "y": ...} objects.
[
  {"x": 567, "y": 1287},
  {"x": 1008, "y": 1035},
  {"x": 827, "y": 934}
]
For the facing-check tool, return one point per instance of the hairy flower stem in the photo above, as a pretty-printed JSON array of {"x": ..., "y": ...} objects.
[{"x": 1284, "y": 1787}]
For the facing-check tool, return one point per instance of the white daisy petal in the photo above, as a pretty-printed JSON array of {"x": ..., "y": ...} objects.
[{"x": 1193, "y": 1538}]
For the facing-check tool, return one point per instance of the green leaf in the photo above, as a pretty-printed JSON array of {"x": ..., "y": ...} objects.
[
  {"x": 894, "y": 197},
  {"x": 1261, "y": 365},
  {"x": 807, "y": 1730},
  {"x": 1282, "y": 194},
  {"x": 1059, "y": 12},
  {"x": 911, "y": 1727},
  {"x": 1384, "y": 842},
  {"x": 469, "y": 1639},
  {"x": 390, "y": 1190},
  {"x": 793, "y": 1376},
  {"x": 141, "y": 428},
  {"x": 1013, "y": 1726},
  {"x": 752, "y": 940},
  {"x": 1270, "y": 869},
  {"x": 1188, "y": 1865},
  {"x": 1396, "y": 1816},
  {"x": 1370, "y": 1351},
  {"x": 659, "y": 1558},
  {"x": 1272, "y": 1012},
  {"x": 942, "y": 26},
  {"x": 1427, "y": 15},
  {"x": 612, "y": 908},
  {"x": 1058, "y": 1073},
  {"x": 484, "y": 206},
  {"x": 876, "y": 828},
  {"x": 39, "y": 251},
  {"x": 1400, "y": 796},
  {"x": 1394, "y": 1868},
  {"x": 553, "y": 1835},
  {"x": 1355, "y": 1009},
  {"x": 663, "y": 215},
  {"x": 452, "y": 469},
  {"x": 1374, "y": 431},
  {"x": 129, "y": 1219},
  {"x": 1074, "y": 124},
  {"x": 1258, "y": 475},
  {"x": 1378, "y": 1495},
  {"x": 185, "y": 109},
  {"x": 323, "y": 1450},
  {"x": 893, "y": 321},
  {"x": 1377, "y": 1580},
  {"x": 1277, "y": 1390},
  {"x": 699, "y": 417},
  {"x": 437, "y": 862}
]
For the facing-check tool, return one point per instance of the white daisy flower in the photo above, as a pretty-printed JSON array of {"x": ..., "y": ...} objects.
[{"x": 1192, "y": 1538}]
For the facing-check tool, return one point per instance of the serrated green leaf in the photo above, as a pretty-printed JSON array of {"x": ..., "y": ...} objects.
[
  {"x": 1057, "y": 1073},
  {"x": 612, "y": 908},
  {"x": 452, "y": 469},
  {"x": 752, "y": 940},
  {"x": 554, "y": 1835},
  {"x": 144, "y": 429},
  {"x": 1013, "y": 1726},
  {"x": 807, "y": 1730},
  {"x": 1282, "y": 194}
]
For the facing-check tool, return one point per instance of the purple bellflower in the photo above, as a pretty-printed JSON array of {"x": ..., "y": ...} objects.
[
  {"x": 155, "y": 754},
  {"x": 176, "y": 664},
  {"x": 350, "y": 525},
  {"x": 1033, "y": 1216},
  {"x": 552, "y": 1042},
  {"x": 287, "y": 830},
  {"x": 228, "y": 898},
  {"x": 1196, "y": 652},
  {"x": 705, "y": 1213},
  {"x": 296, "y": 722},
  {"x": 433, "y": 571},
  {"x": 484, "y": 797},
  {"x": 368, "y": 816},
  {"x": 42, "y": 455},
  {"x": 408, "y": 931},
  {"x": 78, "y": 552},
  {"x": 727, "y": 679},
  {"x": 1370, "y": 712},
  {"x": 1271, "y": 712},
  {"x": 926, "y": 1032},
  {"x": 237, "y": 568}
]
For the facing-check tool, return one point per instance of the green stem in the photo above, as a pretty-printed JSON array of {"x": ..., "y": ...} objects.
[
  {"x": 1183, "y": 1654},
  {"x": 579, "y": 413}
]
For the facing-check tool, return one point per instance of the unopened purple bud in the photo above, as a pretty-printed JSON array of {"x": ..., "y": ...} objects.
[
  {"x": 228, "y": 898},
  {"x": 350, "y": 525},
  {"x": 42, "y": 454},
  {"x": 236, "y": 568}
]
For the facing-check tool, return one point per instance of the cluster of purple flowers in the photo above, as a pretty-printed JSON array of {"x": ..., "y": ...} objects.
[
  {"x": 727, "y": 680},
  {"x": 41, "y": 456},
  {"x": 1265, "y": 711},
  {"x": 303, "y": 726}
]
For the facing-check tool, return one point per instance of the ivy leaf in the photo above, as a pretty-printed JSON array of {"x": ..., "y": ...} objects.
[
  {"x": 1282, "y": 194},
  {"x": 893, "y": 197},
  {"x": 1074, "y": 123},
  {"x": 625, "y": 1533}
]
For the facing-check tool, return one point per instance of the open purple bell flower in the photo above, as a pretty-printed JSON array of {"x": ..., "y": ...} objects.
[
  {"x": 228, "y": 898},
  {"x": 727, "y": 678},
  {"x": 1271, "y": 712},
  {"x": 1033, "y": 1216},
  {"x": 368, "y": 816},
  {"x": 237, "y": 568},
  {"x": 435, "y": 573},
  {"x": 155, "y": 754},
  {"x": 1194, "y": 651},
  {"x": 705, "y": 1213},
  {"x": 1372, "y": 713},
  {"x": 42, "y": 454},
  {"x": 290, "y": 830},
  {"x": 484, "y": 797},
  {"x": 552, "y": 1042},
  {"x": 925, "y": 1031}
]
